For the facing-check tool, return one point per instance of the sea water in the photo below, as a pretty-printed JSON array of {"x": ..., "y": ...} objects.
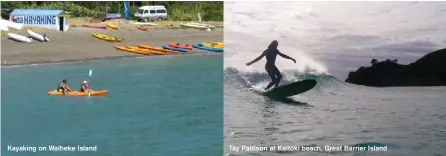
[
  {"x": 329, "y": 39},
  {"x": 167, "y": 105}
]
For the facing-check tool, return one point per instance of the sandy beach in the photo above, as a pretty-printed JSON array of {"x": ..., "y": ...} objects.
[{"x": 78, "y": 44}]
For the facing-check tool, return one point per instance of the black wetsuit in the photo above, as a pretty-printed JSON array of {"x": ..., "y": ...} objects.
[{"x": 270, "y": 67}]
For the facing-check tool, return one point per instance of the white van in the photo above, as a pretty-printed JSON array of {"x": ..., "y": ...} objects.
[{"x": 151, "y": 13}]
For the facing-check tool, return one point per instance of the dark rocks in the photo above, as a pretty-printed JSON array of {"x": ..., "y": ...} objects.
[{"x": 430, "y": 70}]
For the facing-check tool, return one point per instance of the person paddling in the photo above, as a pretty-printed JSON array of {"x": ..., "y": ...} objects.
[
  {"x": 270, "y": 66},
  {"x": 84, "y": 87},
  {"x": 62, "y": 87}
]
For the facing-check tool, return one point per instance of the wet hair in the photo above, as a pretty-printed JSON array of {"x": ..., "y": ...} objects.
[
  {"x": 274, "y": 44},
  {"x": 64, "y": 81}
]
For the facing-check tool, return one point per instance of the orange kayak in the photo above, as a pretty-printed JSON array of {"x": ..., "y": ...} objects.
[
  {"x": 156, "y": 49},
  {"x": 137, "y": 51},
  {"x": 146, "y": 50},
  {"x": 177, "y": 45},
  {"x": 143, "y": 28},
  {"x": 76, "y": 93}
]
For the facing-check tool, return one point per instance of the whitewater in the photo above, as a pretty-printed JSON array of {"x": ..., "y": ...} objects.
[{"x": 328, "y": 40}]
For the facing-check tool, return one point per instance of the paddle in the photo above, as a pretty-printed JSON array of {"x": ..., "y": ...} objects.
[{"x": 89, "y": 79}]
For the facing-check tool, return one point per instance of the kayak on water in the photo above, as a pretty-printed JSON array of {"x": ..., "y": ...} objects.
[{"x": 76, "y": 93}]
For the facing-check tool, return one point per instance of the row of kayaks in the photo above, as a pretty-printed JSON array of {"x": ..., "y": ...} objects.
[
  {"x": 145, "y": 50},
  {"x": 112, "y": 26},
  {"x": 214, "y": 46},
  {"x": 32, "y": 35},
  {"x": 77, "y": 93}
]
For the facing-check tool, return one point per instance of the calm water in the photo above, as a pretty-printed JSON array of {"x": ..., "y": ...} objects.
[{"x": 155, "y": 106}]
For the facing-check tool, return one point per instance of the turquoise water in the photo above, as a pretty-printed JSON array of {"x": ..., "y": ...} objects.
[{"x": 168, "y": 105}]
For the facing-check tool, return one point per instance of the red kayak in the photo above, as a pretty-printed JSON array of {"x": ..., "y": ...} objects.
[
  {"x": 177, "y": 45},
  {"x": 94, "y": 26}
]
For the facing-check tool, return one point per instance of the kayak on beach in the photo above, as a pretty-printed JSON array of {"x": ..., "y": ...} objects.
[
  {"x": 213, "y": 45},
  {"x": 77, "y": 93},
  {"x": 156, "y": 49},
  {"x": 112, "y": 26},
  {"x": 142, "y": 27},
  {"x": 38, "y": 37},
  {"x": 19, "y": 38},
  {"x": 200, "y": 46},
  {"x": 137, "y": 51},
  {"x": 176, "y": 49},
  {"x": 178, "y": 45},
  {"x": 95, "y": 26},
  {"x": 107, "y": 38},
  {"x": 146, "y": 50}
]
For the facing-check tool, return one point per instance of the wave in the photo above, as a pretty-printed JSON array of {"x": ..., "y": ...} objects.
[{"x": 249, "y": 79}]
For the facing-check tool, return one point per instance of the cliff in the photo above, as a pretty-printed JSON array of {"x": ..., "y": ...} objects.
[{"x": 430, "y": 70}]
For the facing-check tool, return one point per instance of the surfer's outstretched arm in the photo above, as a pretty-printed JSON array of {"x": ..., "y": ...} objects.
[
  {"x": 256, "y": 59},
  {"x": 286, "y": 56}
]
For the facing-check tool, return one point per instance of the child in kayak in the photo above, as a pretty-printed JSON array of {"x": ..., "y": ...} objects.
[
  {"x": 62, "y": 87},
  {"x": 84, "y": 87}
]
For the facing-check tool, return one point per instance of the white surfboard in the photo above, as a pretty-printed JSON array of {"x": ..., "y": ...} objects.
[
  {"x": 19, "y": 38},
  {"x": 11, "y": 24},
  {"x": 37, "y": 36},
  {"x": 146, "y": 23}
]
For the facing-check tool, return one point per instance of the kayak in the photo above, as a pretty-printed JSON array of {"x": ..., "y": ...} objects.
[
  {"x": 146, "y": 50},
  {"x": 212, "y": 45},
  {"x": 143, "y": 28},
  {"x": 177, "y": 45},
  {"x": 137, "y": 51},
  {"x": 147, "y": 23},
  {"x": 197, "y": 25},
  {"x": 176, "y": 49},
  {"x": 76, "y": 93},
  {"x": 19, "y": 38},
  {"x": 37, "y": 36},
  {"x": 110, "y": 25},
  {"x": 200, "y": 46},
  {"x": 156, "y": 49},
  {"x": 107, "y": 38},
  {"x": 94, "y": 26}
]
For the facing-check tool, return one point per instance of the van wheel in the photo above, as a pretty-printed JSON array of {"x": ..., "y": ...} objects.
[
  {"x": 159, "y": 18},
  {"x": 146, "y": 20}
]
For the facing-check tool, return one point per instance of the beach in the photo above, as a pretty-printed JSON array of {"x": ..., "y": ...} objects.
[{"x": 78, "y": 44}]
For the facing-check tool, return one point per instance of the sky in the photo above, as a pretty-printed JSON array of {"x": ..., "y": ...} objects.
[{"x": 332, "y": 37}]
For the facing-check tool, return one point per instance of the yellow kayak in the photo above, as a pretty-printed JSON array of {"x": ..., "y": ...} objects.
[
  {"x": 146, "y": 50},
  {"x": 137, "y": 51},
  {"x": 107, "y": 38},
  {"x": 213, "y": 45},
  {"x": 110, "y": 25},
  {"x": 156, "y": 49},
  {"x": 76, "y": 93}
]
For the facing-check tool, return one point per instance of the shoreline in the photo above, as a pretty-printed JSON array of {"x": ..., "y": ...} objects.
[
  {"x": 79, "y": 45},
  {"x": 98, "y": 59}
]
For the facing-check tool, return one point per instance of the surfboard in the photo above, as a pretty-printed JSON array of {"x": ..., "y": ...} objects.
[{"x": 288, "y": 90}]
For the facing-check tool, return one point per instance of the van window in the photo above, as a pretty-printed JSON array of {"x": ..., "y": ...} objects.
[
  {"x": 140, "y": 11},
  {"x": 152, "y": 11},
  {"x": 146, "y": 11},
  {"x": 161, "y": 11}
]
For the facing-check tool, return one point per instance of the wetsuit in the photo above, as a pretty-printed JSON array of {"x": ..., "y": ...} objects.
[{"x": 271, "y": 69}]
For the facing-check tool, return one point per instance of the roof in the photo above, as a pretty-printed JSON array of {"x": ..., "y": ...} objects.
[
  {"x": 35, "y": 12},
  {"x": 118, "y": 15}
]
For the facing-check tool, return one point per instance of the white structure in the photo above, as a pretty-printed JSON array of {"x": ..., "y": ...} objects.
[{"x": 51, "y": 19}]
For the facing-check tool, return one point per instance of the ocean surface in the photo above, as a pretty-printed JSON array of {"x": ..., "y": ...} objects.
[
  {"x": 329, "y": 39},
  {"x": 169, "y": 105}
]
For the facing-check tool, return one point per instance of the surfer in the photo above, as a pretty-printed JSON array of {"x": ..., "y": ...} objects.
[{"x": 270, "y": 66}]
